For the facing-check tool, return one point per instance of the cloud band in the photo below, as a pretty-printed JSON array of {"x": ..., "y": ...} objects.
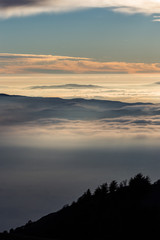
[
  {"x": 30, "y": 63},
  {"x": 11, "y": 8}
]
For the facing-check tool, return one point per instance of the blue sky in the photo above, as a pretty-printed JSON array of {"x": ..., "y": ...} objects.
[{"x": 98, "y": 33}]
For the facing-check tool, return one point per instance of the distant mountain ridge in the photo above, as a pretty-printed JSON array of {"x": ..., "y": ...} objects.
[
  {"x": 66, "y": 86},
  {"x": 17, "y": 109},
  {"x": 126, "y": 210},
  {"x": 72, "y": 99}
]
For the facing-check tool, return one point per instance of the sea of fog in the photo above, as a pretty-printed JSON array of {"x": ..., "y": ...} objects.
[
  {"x": 64, "y": 134},
  {"x": 121, "y": 87}
]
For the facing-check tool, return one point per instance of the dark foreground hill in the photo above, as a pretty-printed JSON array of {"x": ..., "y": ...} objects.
[{"x": 126, "y": 211}]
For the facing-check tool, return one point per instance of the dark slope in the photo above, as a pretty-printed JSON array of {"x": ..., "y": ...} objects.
[{"x": 121, "y": 211}]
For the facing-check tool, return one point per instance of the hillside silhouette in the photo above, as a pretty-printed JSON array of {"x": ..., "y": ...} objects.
[{"x": 128, "y": 210}]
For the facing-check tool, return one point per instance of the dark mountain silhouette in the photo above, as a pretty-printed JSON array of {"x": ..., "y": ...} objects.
[{"x": 126, "y": 210}]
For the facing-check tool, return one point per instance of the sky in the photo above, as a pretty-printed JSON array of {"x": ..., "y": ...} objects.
[
  {"x": 79, "y": 100},
  {"x": 79, "y": 37}
]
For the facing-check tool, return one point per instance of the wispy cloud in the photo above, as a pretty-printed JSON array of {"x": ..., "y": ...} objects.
[
  {"x": 9, "y": 8},
  {"x": 156, "y": 18},
  {"x": 29, "y": 63}
]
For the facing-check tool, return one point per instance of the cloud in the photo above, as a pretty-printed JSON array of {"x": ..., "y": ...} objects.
[
  {"x": 66, "y": 86},
  {"x": 10, "y": 8},
  {"x": 156, "y": 19},
  {"x": 30, "y": 63}
]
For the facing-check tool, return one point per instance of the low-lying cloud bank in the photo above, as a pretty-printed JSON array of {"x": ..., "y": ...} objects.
[
  {"x": 30, "y": 63},
  {"x": 9, "y": 8},
  {"x": 55, "y": 116}
]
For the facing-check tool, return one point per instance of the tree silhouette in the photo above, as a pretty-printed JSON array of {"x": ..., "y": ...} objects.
[
  {"x": 85, "y": 197},
  {"x": 157, "y": 183},
  {"x": 139, "y": 182},
  {"x": 113, "y": 186},
  {"x": 123, "y": 184},
  {"x": 101, "y": 191}
]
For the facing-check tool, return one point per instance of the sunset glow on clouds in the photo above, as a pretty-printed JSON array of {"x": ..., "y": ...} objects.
[
  {"x": 30, "y": 63},
  {"x": 9, "y": 8}
]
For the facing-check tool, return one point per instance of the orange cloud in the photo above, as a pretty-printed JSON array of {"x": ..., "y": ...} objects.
[{"x": 30, "y": 63}]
